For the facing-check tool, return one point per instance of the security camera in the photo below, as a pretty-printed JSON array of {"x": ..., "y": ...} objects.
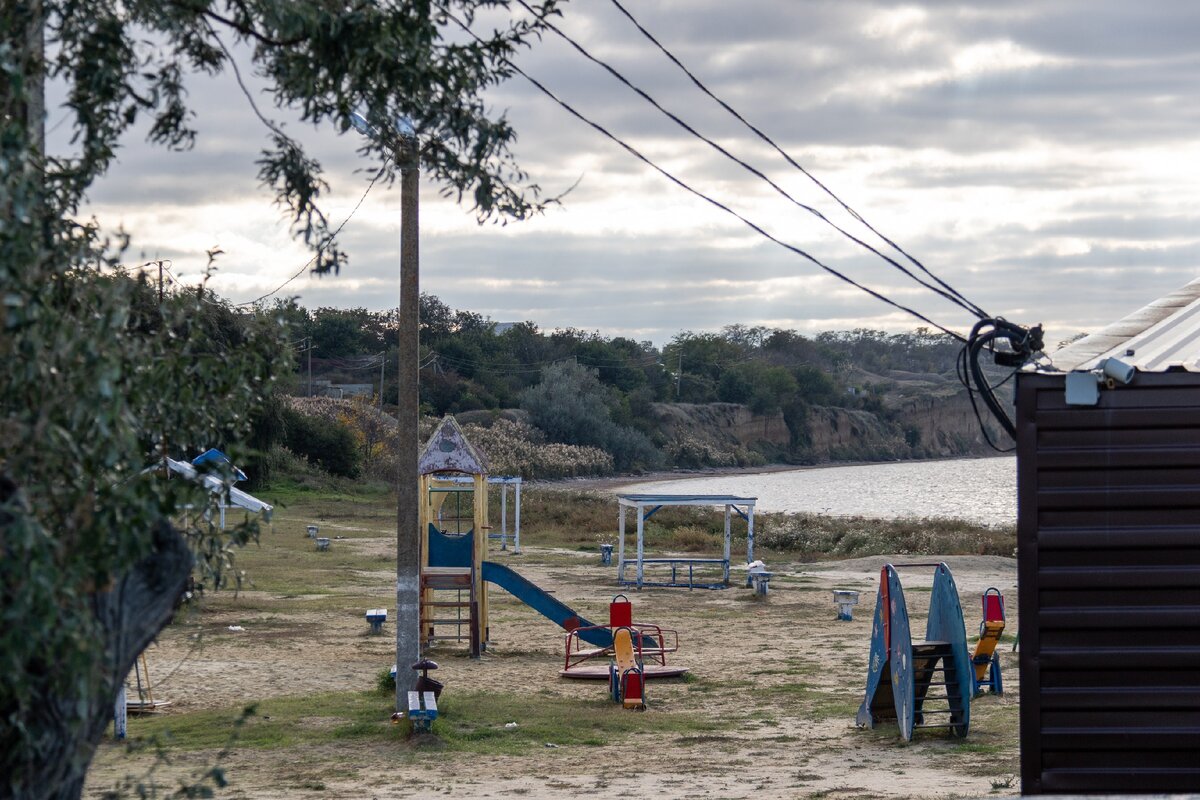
[{"x": 1118, "y": 370}]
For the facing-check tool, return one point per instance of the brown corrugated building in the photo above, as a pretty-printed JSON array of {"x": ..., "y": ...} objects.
[{"x": 1108, "y": 529}]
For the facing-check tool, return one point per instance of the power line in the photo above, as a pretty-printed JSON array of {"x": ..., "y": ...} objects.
[
  {"x": 717, "y": 204},
  {"x": 769, "y": 141},
  {"x": 749, "y": 167},
  {"x": 333, "y": 236}
]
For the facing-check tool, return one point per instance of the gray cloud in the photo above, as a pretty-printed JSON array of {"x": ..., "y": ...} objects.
[{"x": 1096, "y": 92}]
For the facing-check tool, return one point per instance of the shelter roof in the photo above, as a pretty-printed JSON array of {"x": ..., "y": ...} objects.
[
  {"x": 215, "y": 485},
  {"x": 1163, "y": 335},
  {"x": 449, "y": 451},
  {"x": 685, "y": 500}
]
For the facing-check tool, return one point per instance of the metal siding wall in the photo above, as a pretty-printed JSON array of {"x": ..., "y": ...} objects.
[{"x": 1108, "y": 531}]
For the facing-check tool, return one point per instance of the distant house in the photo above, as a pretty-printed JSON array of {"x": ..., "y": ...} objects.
[
  {"x": 1108, "y": 539},
  {"x": 340, "y": 391}
]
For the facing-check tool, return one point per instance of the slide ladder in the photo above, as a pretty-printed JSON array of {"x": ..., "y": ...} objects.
[{"x": 922, "y": 684}]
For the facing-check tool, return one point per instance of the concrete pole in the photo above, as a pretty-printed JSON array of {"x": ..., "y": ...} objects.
[
  {"x": 408, "y": 563},
  {"x": 35, "y": 110}
]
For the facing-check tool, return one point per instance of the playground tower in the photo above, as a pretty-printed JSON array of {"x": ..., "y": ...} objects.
[{"x": 453, "y": 519}]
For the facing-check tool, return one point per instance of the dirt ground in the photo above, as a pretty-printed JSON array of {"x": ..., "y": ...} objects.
[{"x": 780, "y": 677}]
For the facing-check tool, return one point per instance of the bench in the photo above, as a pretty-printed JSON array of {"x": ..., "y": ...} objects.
[
  {"x": 677, "y": 565},
  {"x": 422, "y": 710},
  {"x": 761, "y": 579},
  {"x": 322, "y": 543},
  {"x": 376, "y": 616}
]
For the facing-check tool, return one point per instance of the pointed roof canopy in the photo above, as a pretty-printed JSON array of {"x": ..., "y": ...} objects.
[{"x": 449, "y": 451}]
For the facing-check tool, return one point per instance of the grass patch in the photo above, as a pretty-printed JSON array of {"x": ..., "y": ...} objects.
[
  {"x": 278, "y": 723},
  {"x": 476, "y": 723},
  {"x": 471, "y": 722}
]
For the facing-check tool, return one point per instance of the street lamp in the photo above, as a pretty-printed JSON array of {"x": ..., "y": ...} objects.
[{"x": 408, "y": 567}]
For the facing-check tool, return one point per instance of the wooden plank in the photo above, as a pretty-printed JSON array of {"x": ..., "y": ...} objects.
[{"x": 430, "y": 703}]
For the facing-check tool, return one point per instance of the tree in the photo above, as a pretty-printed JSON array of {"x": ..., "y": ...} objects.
[
  {"x": 571, "y": 406},
  {"x": 97, "y": 383}
]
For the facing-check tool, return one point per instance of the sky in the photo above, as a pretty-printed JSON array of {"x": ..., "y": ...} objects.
[{"x": 1040, "y": 157}]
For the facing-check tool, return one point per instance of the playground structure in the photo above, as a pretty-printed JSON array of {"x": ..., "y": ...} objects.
[
  {"x": 679, "y": 566},
  {"x": 228, "y": 496},
  {"x": 627, "y": 679},
  {"x": 503, "y": 481},
  {"x": 144, "y": 704},
  {"x": 902, "y": 672},
  {"x": 985, "y": 659},
  {"x": 652, "y": 641},
  {"x": 454, "y": 572}
]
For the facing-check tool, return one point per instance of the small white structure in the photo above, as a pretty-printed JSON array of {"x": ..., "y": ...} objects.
[
  {"x": 229, "y": 495},
  {"x": 741, "y": 506},
  {"x": 846, "y": 600}
]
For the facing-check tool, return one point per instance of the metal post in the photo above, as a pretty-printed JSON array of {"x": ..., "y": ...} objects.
[
  {"x": 621, "y": 545},
  {"x": 120, "y": 712},
  {"x": 641, "y": 532},
  {"x": 503, "y": 515},
  {"x": 749, "y": 534},
  {"x": 408, "y": 569},
  {"x": 728, "y": 517},
  {"x": 517, "y": 520}
]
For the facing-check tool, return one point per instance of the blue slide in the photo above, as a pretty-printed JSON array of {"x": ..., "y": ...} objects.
[{"x": 554, "y": 610}]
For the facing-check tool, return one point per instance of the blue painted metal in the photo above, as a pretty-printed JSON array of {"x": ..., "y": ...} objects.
[
  {"x": 450, "y": 551},
  {"x": 946, "y": 625},
  {"x": 215, "y": 456},
  {"x": 549, "y": 607},
  {"x": 893, "y": 691}
]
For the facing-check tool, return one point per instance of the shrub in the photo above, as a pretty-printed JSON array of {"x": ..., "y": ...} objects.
[
  {"x": 327, "y": 444},
  {"x": 572, "y": 406}
]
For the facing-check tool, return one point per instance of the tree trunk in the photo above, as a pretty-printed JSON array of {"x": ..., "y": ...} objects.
[{"x": 129, "y": 616}]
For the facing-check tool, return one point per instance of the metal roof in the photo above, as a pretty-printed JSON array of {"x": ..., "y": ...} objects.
[
  {"x": 1164, "y": 334},
  {"x": 684, "y": 500}
]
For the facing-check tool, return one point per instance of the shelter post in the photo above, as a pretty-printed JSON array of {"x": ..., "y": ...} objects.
[
  {"x": 503, "y": 516},
  {"x": 517, "y": 519},
  {"x": 728, "y": 520},
  {"x": 621, "y": 543},
  {"x": 641, "y": 534}
]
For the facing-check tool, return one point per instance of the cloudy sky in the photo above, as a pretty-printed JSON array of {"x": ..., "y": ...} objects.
[{"x": 1041, "y": 157}]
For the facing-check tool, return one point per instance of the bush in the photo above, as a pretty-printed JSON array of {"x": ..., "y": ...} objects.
[
  {"x": 325, "y": 443},
  {"x": 572, "y": 406}
]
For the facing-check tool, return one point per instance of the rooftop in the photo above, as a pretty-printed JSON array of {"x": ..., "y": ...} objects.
[{"x": 1163, "y": 335}]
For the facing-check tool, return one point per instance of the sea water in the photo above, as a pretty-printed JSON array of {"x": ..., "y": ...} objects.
[{"x": 981, "y": 490}]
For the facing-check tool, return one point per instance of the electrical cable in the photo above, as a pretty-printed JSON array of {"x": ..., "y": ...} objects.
[
  {"x": 770, "y": 142},
  {"x": 1026, "y": 343},
  {"x": 715, "y": 203},
  {"x": 332, "y": 236},
  {"x": 953, "y": 298}
]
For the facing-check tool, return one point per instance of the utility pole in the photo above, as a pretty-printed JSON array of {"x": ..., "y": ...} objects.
[
  {"x": 408, "y": 556},
  {"x": 309, "y": 348},
  {"x": 382, "y": 361},
  {"x": 679, "y": 378}
]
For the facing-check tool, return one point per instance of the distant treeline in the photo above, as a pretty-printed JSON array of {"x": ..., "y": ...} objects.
[
  {"x": 470, "y": 363},
  {"x": 571, "y": 386}
]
